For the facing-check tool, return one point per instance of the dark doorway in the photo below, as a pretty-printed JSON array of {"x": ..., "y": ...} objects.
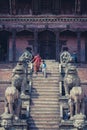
[
  {"x": 3, "y": 46},
  {"x": 47, "y": 46}
]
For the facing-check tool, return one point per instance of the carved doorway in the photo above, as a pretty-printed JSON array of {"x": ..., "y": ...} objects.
[{"x": 47, "y": 46}]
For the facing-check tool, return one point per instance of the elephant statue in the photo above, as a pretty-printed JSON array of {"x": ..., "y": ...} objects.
[
  {"x": 76, "y": 101},
  {"x": 71, "y": 79},
  {"x": 12, "y": 101},
  {"x": 19, "y": 79}
]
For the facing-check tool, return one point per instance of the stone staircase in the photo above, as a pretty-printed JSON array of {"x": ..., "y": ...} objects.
[{"x": 44, "y": 103}]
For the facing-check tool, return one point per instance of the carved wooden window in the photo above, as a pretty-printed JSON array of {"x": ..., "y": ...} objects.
[{"x": 24, "y": 7}]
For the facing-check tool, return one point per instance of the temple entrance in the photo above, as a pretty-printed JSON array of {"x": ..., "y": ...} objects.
[{"x": 47, "y": 46}]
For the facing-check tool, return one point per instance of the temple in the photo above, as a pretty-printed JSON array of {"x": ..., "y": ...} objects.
[
  {"x": 57, "y": 31},
  {"x": 43, "y": 25}
]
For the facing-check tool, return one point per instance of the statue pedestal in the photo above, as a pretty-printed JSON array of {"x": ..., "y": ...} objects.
[
  {"x": 79, "y": 121},
  {"x": 25, "y": 106},
  {"x": 6, "y": 120}
]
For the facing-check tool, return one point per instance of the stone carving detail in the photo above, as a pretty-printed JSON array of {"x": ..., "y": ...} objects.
[
  {"x": 79, "y": 121},
  {"x": 65, "y": 57},
  {"x": 26, "y": 56},
  {"x": 71, "y": 79}
]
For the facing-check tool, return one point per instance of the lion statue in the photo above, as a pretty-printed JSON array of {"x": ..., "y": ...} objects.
[
  {"x": 12, "y": 101},
  {"x": 71, "y": 79},
  {"x": 19, "y": 78},
  {"x": 76, "y": 101}
]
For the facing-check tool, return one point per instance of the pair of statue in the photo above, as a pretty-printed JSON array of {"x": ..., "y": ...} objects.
[
  {"x": 72, "y": 85},
  {"x": 17, "y": 88}
]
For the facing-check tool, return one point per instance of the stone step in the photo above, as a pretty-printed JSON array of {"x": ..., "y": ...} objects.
[
  {"x": 42, "y": 90},
  {"x": 51, "y": 87},
  {"x": 44, "y": 123},
  {"x": 42, "y": 96},
  {"x": 45, "y": 99},
  {"x": 44, "y": 115},
  {"x": 44, "y": 119},
  {"x": 44, "y": 126},
  {"x": 49, "y": 75},
  {"x": 53, "y": 108},
  {"x": 45, "y": 86},
  {"x": 44, "y": 103},
  {"x": 34, "y": 128},
  {"x": 46, "y": 111},
  {"x": 47, "y": 78},
  {"x": 46, "y": 81}
]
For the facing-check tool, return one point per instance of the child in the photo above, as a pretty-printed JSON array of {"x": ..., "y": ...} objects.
[{"x": 43, "y": 66}]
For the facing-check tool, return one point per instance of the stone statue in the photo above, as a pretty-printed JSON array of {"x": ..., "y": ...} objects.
[
  {"x": 76, "y": 101},
  {"x": 65, "y": 57},
  {"x": 79, "y": 121},
  {"x": 12, "y": 101},
  {"x": 71, "y": 79},
  {"x": 26, "y": 56},
  {"x": 19, "y": 79}
]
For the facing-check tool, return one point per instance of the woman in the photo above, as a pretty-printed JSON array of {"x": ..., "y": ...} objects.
[{"x": 37, "y": 63}]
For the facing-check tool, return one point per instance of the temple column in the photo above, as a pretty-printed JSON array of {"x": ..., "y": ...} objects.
[
  {"x": 57, "y": 46},
  {"x": 35, "y": 41},
  {"x": 79, "y": 46},
  {"x": 77, "y": 6},
  {"x": 14, "y": 44},
  {"x": 13, "y": 7},
  {"x": 10, "y": 6}
]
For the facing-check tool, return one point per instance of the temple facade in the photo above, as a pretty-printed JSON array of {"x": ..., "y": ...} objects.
[{"x": 47, "y": 26}]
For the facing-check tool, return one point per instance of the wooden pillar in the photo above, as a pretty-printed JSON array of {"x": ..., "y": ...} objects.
[
  {"x": 57, "y": 46},
  {"x": 75, "y": 6},
  {"x": 14, "y": 44},
  {"x": 56, "y": 6},
  {"x": 13, "y": 7},
  {"x": 10, "y": 6},
  {"x": 79, "y": 45},
  {"x": 78, "y": 6},
  {"x": 35, "y": 41},
  {"x": 35, "y": 6}
]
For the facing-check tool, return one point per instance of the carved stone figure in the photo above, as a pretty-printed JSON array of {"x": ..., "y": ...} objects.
[
  {"x": 76, "y": 101},
  {"x": 19, "y": 77},
  {"x": 71, "y": 79},
  {"x": 27, "y": 55},
  {"x": 13, "y": 103},
  {"x": 79, "y": 121},
  {"x": 65, "y": 57}
]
